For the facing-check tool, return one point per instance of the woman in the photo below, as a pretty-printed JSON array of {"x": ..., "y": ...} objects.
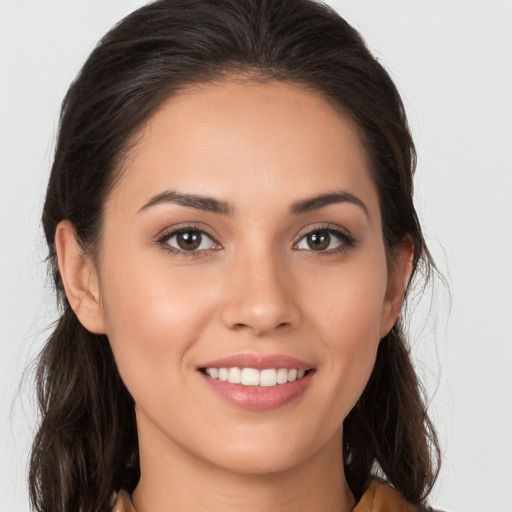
[{"x": 232, "y": 233}]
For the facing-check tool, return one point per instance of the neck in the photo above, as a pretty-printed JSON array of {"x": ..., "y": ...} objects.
[{"x": 173, "y": 480}]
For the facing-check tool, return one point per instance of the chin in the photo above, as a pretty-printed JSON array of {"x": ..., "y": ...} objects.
[
  {"x": 267, "y": 456},
  {"x": 262, "y": 465}
]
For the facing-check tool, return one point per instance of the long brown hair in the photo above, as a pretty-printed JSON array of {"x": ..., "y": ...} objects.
[{"x": 86, "y": 445}]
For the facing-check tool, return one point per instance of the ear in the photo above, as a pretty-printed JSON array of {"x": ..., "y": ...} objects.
[
  {"x": 398, "y": 275},
  {"x": 80, "y": 279}
]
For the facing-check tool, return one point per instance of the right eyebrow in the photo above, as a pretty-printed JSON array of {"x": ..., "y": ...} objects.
[{"x": 200, "y": 202}]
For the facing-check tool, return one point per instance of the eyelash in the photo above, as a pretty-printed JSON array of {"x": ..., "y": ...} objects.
[
  {"x": 164, "y": 239},
  {"x": 347, "y": 240}
]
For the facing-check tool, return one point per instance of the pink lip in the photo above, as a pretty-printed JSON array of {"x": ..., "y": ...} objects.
[
  {"x": 258, "y": 362},
  {"x": 258, "y": 398}
]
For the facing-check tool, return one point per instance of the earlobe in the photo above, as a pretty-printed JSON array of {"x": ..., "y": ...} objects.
[
  {"x": 398, "y": 277},
  {"x": 79, "y": 278}
]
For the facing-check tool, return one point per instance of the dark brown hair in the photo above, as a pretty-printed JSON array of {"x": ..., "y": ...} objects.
[{"x": 86, "y": 445}]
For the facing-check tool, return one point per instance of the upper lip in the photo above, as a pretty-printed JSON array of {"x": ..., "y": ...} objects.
[{"x": 258, "y": 362}]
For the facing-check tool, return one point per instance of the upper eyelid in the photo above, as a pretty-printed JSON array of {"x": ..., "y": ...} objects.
[
  {"x": 324, "y": 227},
  {"x": 168, "y": 232},
  {"x": 172, "y": 234}
]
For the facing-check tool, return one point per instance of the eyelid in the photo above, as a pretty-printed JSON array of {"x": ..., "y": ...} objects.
[
  {"x": 347, "y": 239},
  {"x": 163, "y": 237},
  {"x": 184, "y": 226}
]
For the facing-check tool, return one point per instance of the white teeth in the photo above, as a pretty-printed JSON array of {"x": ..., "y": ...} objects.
[
  {"x": 252, "y": 377},
  {"x": 213, "y": 373},
  {"x": 282, "y": 376},
  {"x": 268, "y": 378},
  {"x": 235, "y": 375}
]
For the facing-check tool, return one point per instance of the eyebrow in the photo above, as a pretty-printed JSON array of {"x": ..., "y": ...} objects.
[
  {"x": 210, "y": 204},
  {"x": 200, "y": 202},
  {"x": 316, "y": 202}
]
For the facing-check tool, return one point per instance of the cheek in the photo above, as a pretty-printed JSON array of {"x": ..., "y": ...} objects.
[
  {"x": 152, "y": 317},
  {"x": 347, "y": 319},
  {"x": 347, "y": 304}
]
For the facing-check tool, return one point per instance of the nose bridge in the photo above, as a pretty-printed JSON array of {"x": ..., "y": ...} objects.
[{"x": 260, "y": 298}]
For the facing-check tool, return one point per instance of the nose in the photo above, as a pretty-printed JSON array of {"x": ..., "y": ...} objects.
[{"x": 260, "y": 298}]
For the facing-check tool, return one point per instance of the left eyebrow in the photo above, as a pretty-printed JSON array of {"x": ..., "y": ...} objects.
[{"x": 313, "y": 203}]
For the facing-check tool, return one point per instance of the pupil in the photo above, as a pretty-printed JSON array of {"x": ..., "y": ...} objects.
[
  {"x": 319, "y": 240},
  {"x": 189, "y": 240}
]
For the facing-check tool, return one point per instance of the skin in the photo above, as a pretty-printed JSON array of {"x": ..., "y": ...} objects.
[{"x": 257, "y": 287}]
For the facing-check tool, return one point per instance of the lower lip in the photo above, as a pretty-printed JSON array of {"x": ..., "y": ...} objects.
[{"x": 259, "y": 398}]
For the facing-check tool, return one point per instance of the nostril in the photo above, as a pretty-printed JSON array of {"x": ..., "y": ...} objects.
[
  {"x": 260, "y": 329},
  {"x": 260, "y": 314}
]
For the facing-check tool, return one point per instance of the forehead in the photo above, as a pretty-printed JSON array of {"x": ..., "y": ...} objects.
[{"x": 242, "y": 139}]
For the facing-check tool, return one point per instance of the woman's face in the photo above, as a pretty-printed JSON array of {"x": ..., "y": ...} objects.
[{"x": 244, "y": 241}]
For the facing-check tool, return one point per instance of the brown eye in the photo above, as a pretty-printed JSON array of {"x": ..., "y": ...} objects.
[
  {"x": 328, "y": 240},
  {"x": 318, "y": 240},
  {"x": 189, "y": 240}
]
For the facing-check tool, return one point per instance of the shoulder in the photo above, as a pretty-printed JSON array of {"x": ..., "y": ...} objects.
[
  {"x": 123, "y": 503},
  {"x": 380, "y": 497}
]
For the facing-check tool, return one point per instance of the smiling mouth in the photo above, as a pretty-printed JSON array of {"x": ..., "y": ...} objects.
[{"x": 268, "y": 377}]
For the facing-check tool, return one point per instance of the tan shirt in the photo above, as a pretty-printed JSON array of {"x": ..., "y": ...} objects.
[{"x": 378, "y": 498}]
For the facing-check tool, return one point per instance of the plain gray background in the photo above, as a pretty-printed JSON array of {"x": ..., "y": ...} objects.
[{"x": 452, "y": 61}]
